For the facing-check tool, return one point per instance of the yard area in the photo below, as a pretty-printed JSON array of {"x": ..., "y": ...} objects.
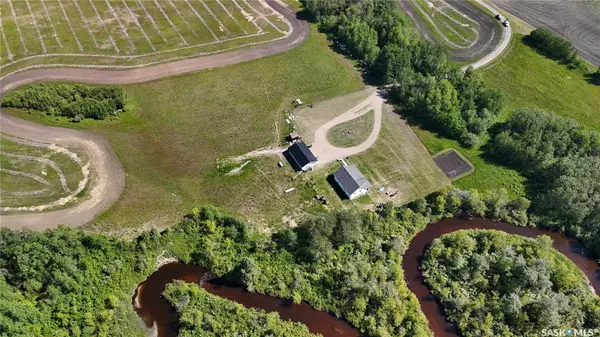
[
  {"x": 529, "y": 79},
  {"x": 352, "y": 132},
  {"x": 178, "y": 129},
  {"x": 128, "y": 32}
]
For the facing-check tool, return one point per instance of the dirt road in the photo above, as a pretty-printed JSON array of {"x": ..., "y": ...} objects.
[
  {"x": 322, "y": 148},
  {"x": 109, "y": 176},
  {"x": 490, "y": 32}
]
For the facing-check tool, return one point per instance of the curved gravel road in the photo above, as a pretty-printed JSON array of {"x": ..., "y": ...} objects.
[
  {"x": 490, "y": 31},
  {"x": 109, "y": 176}
]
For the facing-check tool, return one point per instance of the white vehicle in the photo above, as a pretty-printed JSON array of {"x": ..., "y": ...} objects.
[
  {"x": 498, "y": 17},
  {"x": 505, "y": 23}
]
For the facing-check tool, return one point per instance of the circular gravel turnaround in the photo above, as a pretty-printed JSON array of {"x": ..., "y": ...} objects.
[
  {"x": 576, "y": 20},
  {"x": 490, "y": 32},
  {"x": 109, "y": 177}
]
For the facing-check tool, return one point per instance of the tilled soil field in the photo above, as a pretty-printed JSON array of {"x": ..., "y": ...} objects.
[{"x": 576, "y": 20}]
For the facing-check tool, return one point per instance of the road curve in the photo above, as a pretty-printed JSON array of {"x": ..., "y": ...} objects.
[
  {"x": 326, "y": 152},
  {"x": 109, "y": 176},
  {"x": 490, "y": 33}
]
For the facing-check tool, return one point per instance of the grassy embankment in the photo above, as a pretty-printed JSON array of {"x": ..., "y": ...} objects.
[
  {"x": 15, "y": 187},
  {"x": 527, "y": 80},
  {"x": 178, "y": 129}
]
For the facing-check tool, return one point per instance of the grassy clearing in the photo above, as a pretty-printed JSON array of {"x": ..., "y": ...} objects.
[
  {"x": 529, "y": 79},
  {"x": 308, "y": 120},
  {"x": 177, "y": 129},
  {"x": 352, "y": 132},
  {"x": 486, "y": 177},
  {"x": 11, "y": 183},
  {"x": 140, "y": 28}
]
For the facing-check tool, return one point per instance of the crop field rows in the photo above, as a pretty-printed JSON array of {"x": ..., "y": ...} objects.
[
  {"x": 455, "y": 28},
  {"x": 128, "y": 33},
  {"x": 36, "y": 176}
]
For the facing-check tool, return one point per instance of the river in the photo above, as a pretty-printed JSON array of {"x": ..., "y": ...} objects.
[
  {"x": 157, "y": 312},
  {"x": 572, "y": 248}
]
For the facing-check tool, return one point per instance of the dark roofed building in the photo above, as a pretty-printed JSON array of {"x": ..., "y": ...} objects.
[
  {"x": 302, "y": 157},
  {"x": 351, "y": 181}
]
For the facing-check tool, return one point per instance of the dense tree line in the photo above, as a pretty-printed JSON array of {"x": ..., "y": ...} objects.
[
  {"x": 65, "y": 282},
  {"x": 562, "y": 161},
  {"x": 552, "y": 46},
  {"x": 76, "y": 101},
  {"x": 205, "y": 315},
  {"x": 494, "y": 284},
  {"x": 425, "y": 84}
]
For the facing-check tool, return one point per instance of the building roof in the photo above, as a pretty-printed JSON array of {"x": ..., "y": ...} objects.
[
  {"x": 350, "y": 179},
  {"x": 301, "y": 154}
]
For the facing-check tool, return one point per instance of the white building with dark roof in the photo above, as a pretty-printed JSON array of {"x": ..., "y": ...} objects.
[
  {"x": 302, "y": 157},
  {"x": 351, "y": 181}
]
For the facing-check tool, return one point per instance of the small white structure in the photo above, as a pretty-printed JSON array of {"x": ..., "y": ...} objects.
[
  {"x": 298, "y": 101},
  {"x": 351, "y": 181}
]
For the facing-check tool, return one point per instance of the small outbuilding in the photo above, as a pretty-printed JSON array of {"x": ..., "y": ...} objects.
[
  {"x": 301, "y": 156},
  {"x": 351, "y": 181}
]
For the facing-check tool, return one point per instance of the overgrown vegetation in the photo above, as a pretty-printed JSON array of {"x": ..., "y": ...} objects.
[
  {"x": 205, "y": 315},
  {"x": 494, "y": 284},
  {"x": 65, "y": 282},
  {"x": 76, "y": 101},
  {"x": 552, "y": 46},
  {"x": 426, "y": 85},
  {"x": 562, "y": 162}
]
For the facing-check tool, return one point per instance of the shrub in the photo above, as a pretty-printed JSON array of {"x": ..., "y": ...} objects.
[
  {"x": 552, "y": 46},
  {"x": 75, "y": 101}
]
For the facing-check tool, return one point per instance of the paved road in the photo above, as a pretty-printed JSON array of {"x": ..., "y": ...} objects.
[
  {"x": 576, "y": 20},
  {"x": 109, "y": 177},
  {"x": 490, "y": 31}
]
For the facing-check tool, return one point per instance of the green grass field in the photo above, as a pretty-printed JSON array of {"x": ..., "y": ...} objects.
[
  {"x": 529, "y": 79},
  {"x": 178, "y": 128},
  {"x": 486, "y": 177},
  {"x": 28, "y": 183},
  {"x": 128, "y": 32},
  {"x": 352, "y": 132},
  {"x": 398, "y": 161}
]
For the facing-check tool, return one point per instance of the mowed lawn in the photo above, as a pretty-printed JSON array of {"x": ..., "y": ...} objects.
[
  {"x": 352, "y": 132},
  {"x": 529, "y": 79},
  {"x": 487, "y": 176},
  {"x": 179, "y": 128},
  {"x": 398, "y": 161}
]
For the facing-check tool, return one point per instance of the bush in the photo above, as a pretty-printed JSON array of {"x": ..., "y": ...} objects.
[
  {"x": 552, "y": 46},
  {"x": 469, "y": 140},
  {"x": 75, "y": 101}
]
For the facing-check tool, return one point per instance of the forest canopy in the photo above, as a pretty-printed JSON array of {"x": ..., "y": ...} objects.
[
  {"x": 205, "y": 315},
  {"x": 76, "y": 101},
  {"x": 425, "y": 85},
  {"x": 65, "y": 282},
  {"x": 495, "y": 284}
]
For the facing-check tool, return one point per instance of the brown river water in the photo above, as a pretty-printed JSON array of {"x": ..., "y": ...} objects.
[{"x": 156, "y": 311}]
